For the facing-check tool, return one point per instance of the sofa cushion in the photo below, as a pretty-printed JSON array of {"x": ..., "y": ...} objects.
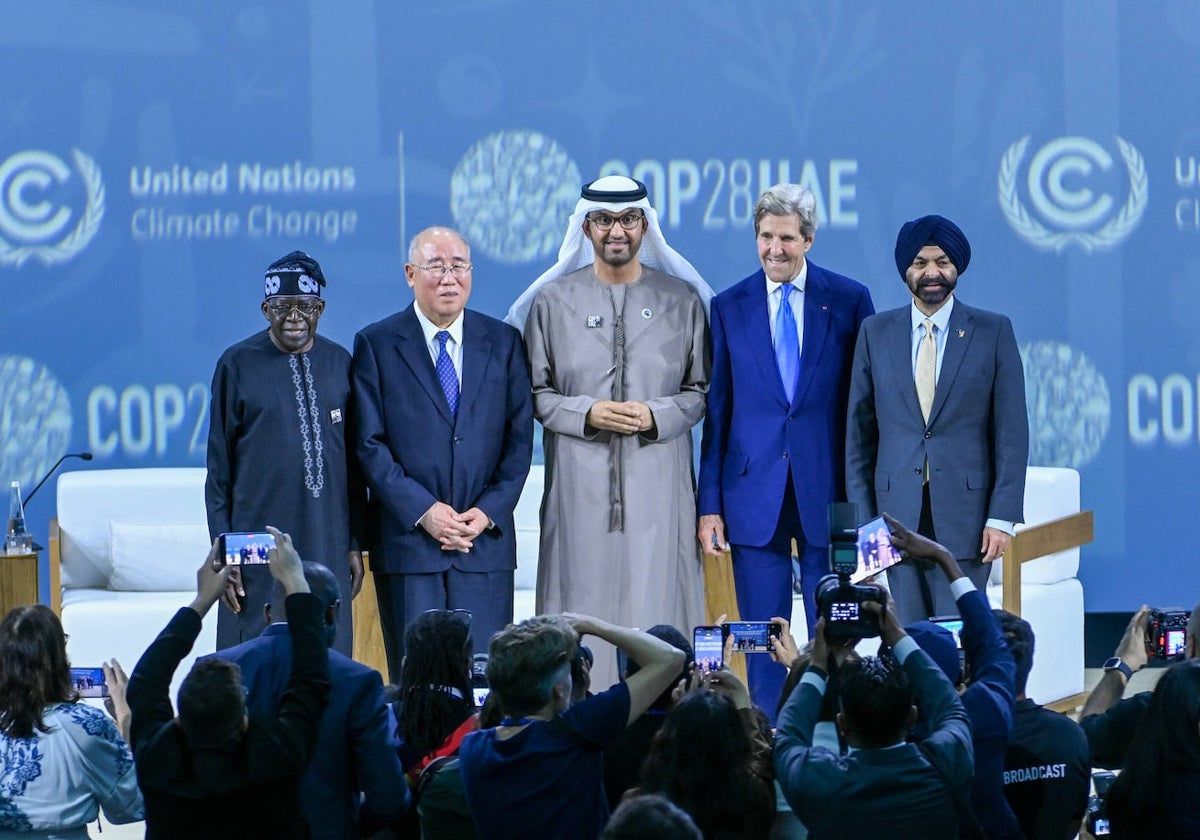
[
  {"x": 160, "y": 557},
  {"x": 89, "y": 499}
]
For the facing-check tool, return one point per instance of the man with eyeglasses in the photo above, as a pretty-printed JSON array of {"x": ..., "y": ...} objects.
[
  {"x": 445, "y": 439},
  {"x": 278, "y": 448},
  {"x": 617, "y": 333}
]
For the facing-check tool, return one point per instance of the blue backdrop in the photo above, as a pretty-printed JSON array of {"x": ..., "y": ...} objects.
[{"x": 153, "y": 162}]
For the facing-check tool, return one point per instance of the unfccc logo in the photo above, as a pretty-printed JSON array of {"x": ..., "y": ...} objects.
[
  {"x": 36, "y": 216},
  {"x": 1058, "y": 188}
]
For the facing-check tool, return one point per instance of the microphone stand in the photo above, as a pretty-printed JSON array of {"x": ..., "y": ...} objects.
[{"x": 83, "y": 456}]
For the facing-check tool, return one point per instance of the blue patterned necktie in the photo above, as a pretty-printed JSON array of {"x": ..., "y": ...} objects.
[
  {"x": 787, "y": 343},
  {"x": 446, "y": 374}
]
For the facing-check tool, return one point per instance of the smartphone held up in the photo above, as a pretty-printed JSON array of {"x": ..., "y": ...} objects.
[{"x": 245, "y": 548}]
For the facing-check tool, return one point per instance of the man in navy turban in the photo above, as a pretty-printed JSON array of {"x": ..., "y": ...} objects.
[{"x": 937, "y": 436}]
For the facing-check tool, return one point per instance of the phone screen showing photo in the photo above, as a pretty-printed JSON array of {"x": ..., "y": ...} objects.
[
  {"x": 875, "y": 550},
  {"x": 89, "y": 682},
  {"x": 246, "y": 548},
  {"x": 709, "y": 645},
  {"x": 752, "y": 636}
]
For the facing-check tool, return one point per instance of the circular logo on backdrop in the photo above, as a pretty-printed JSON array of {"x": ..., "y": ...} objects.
[
  {"x": 48, "y": 211},
  {"x": 1067, "y": 402},
  {"x": 512, "y": 193},
  {"x": 1077, "y": 194},
  {"x": 35, "y": 425}
]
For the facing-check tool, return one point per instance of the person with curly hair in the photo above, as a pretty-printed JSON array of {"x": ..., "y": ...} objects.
[
  {"x": 710, "y": 759},
  {"x": 436, "y": 707}
]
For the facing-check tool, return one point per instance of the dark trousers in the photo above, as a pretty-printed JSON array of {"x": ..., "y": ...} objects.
[
  {"x": 488, "y": 595},
  {"x": 920, "y": 588},
  {"x": 762, "y": 576}
]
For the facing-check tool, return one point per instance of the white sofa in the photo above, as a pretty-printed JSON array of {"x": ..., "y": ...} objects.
[
  {"x": 1051, "y": 596},
  {"x": 125, "y": 548},
  {"x": 527, "y": 522}
]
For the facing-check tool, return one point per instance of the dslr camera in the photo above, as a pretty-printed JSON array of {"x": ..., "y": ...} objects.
[
  {"x": 1166, "y": 633},
  {"x": 838, "y": 600}
]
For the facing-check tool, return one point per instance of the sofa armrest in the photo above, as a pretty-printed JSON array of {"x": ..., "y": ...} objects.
[
  {"x": 1038, "y": 541},
  {"x": 55, "y": 568}
]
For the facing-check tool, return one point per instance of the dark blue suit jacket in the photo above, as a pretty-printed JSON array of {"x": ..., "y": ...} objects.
[
  {"x": 989, "y": 701},
  {"x": 352, "y": 752},
  {"x": 752, "y": 435},
  {"x": 414, "y": 453},
  {"x": 976, "y": 440}
]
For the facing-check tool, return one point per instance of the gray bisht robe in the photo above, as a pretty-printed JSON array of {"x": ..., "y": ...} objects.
[{"x": 618, "y": 530}]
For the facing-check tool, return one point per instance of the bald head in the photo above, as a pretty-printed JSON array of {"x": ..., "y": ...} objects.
[
  {"x": 323, "y": 584},
  {"x": 434, "y": 233}
]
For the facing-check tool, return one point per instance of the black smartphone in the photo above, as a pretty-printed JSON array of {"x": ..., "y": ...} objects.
[
  {"x": 708, "y": 647},
  {"x": 752, "y": 636},
  {"x": 89, "y": 682},
  {"x": 245, "y": 548}
]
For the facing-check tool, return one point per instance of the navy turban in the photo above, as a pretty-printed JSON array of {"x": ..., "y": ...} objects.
[{"x": 932, "y": 230}]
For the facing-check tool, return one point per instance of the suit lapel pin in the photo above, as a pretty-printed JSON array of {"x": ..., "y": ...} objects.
[
  {"x": 646, "y": 313},
  {"x": 961, "y": 333},
  {"x": 825, "y": 306},
  {"x": 594, "y": 321}
]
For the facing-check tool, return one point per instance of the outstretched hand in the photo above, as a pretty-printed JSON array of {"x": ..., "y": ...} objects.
[
  {"x": 211, "y": 578},
  {"x": 918, "y": 547},
  {"x": 286, "y": 566}
]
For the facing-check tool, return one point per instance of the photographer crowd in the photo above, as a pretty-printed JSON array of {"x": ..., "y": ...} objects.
[{"x": 286, "y": 738}]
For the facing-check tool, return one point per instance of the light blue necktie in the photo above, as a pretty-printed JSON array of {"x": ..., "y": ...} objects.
[
  {"x": 787, "y": 343},
  {"x": 446, "y": 373}
]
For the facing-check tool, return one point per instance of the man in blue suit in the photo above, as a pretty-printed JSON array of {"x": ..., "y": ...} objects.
[
  {"x": 771, "y": 459},
  {"x": 445, "y": 438},
  {"x": 352, "y": 759},
  {"x": 937, "y": 431}
]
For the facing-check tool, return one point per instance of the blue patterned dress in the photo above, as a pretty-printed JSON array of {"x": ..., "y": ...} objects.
[{"x": 54, "y": 783}]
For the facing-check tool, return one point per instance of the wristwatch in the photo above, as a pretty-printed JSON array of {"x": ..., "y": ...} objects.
[{"x": 1115, "y": 663}]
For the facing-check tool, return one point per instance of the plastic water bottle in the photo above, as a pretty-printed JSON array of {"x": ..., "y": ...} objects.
[{"x": 19, "y": 540}]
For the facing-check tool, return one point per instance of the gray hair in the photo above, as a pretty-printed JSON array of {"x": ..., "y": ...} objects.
[
  {"x": 416, "y": 240},
  {"x": 789, "y": 200}
]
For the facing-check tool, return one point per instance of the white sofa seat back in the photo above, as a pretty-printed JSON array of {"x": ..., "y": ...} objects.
[
  {"x": 1051, "y": 594},
  {"x": 1050, "y": 493},
  {"x": 155, "y": 521}
]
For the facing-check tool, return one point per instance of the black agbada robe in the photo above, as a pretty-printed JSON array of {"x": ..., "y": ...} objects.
[{"x": 280, "y": 443}]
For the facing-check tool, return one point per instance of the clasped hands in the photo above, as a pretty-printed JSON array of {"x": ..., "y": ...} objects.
[
  {"x": 455, "y": 531},
  {"x": 626, "y": 418}
]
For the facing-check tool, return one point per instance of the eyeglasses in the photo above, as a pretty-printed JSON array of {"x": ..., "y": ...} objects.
[
  {"x": 284, "y": 309},
  {"x": 629, "y": 221},
  {"x": 464, "y": 616},
  {"x": 459, "y": 270}
]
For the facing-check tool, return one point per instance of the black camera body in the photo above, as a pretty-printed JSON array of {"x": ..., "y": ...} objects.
[
  {"x": 839, "y": 601},
  {"x": 1166, "y": 633}
]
